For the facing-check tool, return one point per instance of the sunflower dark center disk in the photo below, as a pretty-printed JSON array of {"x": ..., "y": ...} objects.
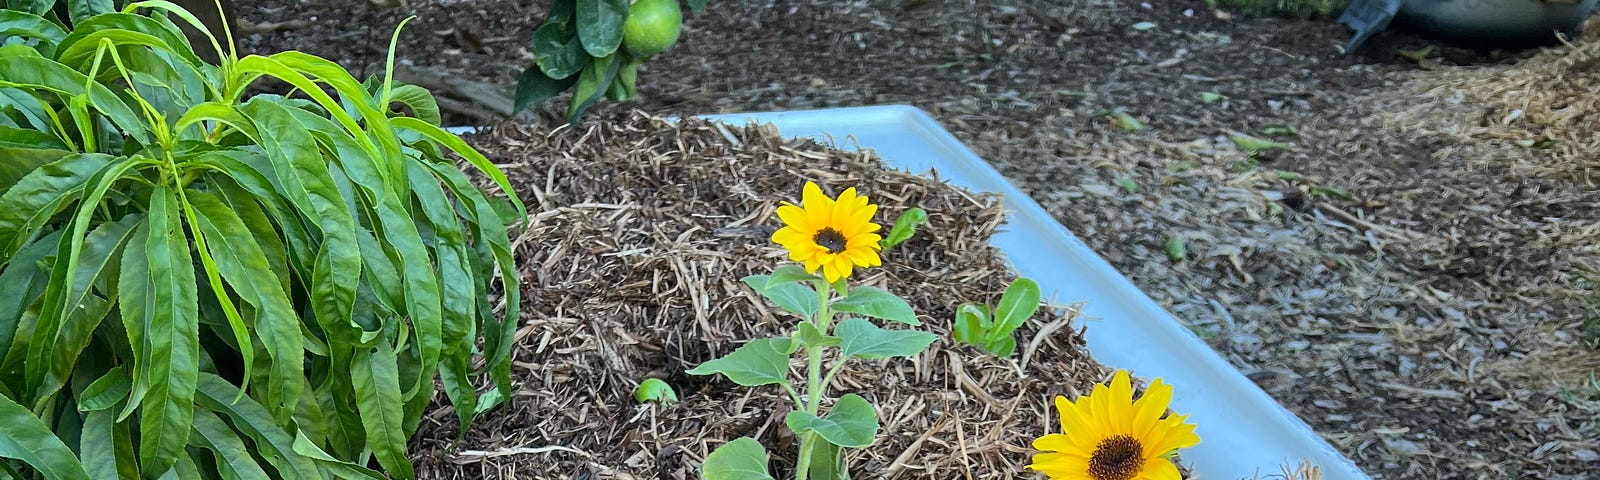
[
  {"x": 830, "y": 239},
  {"x": 1116, "y": 458}
]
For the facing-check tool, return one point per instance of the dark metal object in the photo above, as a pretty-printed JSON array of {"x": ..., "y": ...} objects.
[{"x": 1367, "y": 18}]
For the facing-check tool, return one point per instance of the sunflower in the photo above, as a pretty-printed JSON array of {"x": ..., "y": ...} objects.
[
  {"x": 833, "y": 235},
  {"x": 1108, "y": 436}
]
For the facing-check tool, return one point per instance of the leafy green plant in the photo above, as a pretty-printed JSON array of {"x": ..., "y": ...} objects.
[
  {"x": 904, "y": 227},
  {"x": 198, "y": 284},
  {"x": 852, "y": 422},
  {"x": 831, "y": 237},
  {"x": 991, "y": 328},
  {"x": 594, "y": 48}
]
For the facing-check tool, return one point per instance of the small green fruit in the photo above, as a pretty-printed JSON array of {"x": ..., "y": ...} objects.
[{"x": 652, "y": 27}]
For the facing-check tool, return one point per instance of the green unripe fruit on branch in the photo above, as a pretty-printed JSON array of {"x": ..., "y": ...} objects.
[{"x": 652, "y": 27}]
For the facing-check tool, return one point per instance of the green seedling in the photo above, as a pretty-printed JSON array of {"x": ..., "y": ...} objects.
[
  {"x": 1176, "y": 249},
  {"x": 991, "y": 328},
  {"x": 1128, "y": 185},
  {"x": 904, "y": 227},
  {"x": 1254, "y": 146},
  {"x": 655, "y": 390},
  {"x": 1330, "y": 192},
  {"x": 1280, "y": 131},
  {"x": 1212, "y": 97}
]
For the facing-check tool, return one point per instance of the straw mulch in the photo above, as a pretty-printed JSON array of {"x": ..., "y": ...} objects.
[{"x": 641, "y": 230}]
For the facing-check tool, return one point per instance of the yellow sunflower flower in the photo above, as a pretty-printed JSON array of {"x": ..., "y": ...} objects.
[
  {"x": 1108, "y": 436},
  {"x": 832, "y": 235}
]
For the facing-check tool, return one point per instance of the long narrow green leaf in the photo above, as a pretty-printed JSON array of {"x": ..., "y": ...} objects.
[
  {"x": 460, "y": 147},
  {"x": 340, "y": 468},
  {"x": 234, "y": 460},
  {"x": 106, "y": 447},
  {"x": 337, "y": 397},
  {"x": 397, "y": 232},
  {"x": 377, "y": 384},
  {"x": 21, "y": 284},
  {"x": 270, "y": 441},
  {"x": 172, "y": 326},
  {"x": 490, "y": 233},
  {"x": 25, "y": 438},
  {"x": 309, "y": 188},
  {"x": 241, "y": 261},
  {"x": 36, "y": 73},
  {"x": 135, "y": 297},
  {"x": 460, "y": 304},
  {"x": 26, "y": 206},
  {"x": 56, "y": 347}
]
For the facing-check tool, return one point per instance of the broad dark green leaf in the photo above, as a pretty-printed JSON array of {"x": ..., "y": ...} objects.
[
  {"x": 270, "y": 441},
  {"x": 826, "y": 462},
  {"x": 106, "y": 391},
  {"x": 242, "y": 263},
  {"x": 106, "y": 447},
  {"x": 336, "y": 397},
  {"x": 877, "y": 303},
  {"x": 600, "y": 25},
  {"x": 377, "y": 383},
  {"x": 760, "y": 362},
  {"x": 794, "y": 297},
  {"x": 27, "y": 25},
  {"x": 741, "y": 459},
  {"x": 533, "y": 86},
  {"x": 592, "y": 85},
  {"x": 171, "y": 323},
  {"x": 861, "y": 339},
  {"x": 557, "y": 50},
  {"x": 233, "y": 457},
  {"x": 80, "y": 10},
  {"x": 24, "y": 437},
  {"x": 851, "y": 423}
]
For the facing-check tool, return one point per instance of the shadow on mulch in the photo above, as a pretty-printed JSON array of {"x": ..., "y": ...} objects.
[{"x": 640, "y": 233}]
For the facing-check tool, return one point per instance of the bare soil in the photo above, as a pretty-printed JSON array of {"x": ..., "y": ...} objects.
[{"x": 1408, "y": 276}]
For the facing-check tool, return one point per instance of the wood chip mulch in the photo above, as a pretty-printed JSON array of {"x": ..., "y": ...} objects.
[{"x": 640, "y": 231}]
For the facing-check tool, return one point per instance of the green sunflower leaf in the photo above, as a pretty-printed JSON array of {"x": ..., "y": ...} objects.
[
  {"x": 760, "y": 362},
  {"x": 794, "y": 297},
  {"x": 861, "y": 339},
  {"x": 850, "y": 424},
  {"x": 741, "y": 459},
  {"x": 811, "y": 337},
  {"x": 789, "y": 273},
  {"x": 877, "y": 303}
]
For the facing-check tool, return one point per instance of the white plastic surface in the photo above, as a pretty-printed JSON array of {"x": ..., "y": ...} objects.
[{"x": 1243, "y": 431}]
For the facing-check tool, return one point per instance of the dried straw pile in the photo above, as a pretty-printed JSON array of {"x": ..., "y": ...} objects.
[
  {"x": 1546, "y": 101},
  {"x": 642, "y": 231}
]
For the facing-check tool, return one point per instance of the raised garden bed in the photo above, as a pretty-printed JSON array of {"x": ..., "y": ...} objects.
[{"x": 632, "y": 271}]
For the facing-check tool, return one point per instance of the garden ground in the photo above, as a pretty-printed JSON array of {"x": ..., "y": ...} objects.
[{"x": 1407, "y": 276}]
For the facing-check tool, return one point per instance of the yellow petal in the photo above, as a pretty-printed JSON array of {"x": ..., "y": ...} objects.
[
  {"x": 793, "y": 216},
  {"x": 843, "y": 265},
  {"x": 1119, "y": 405},
  {"x": 830, "y": 271},
  {"x": 1150, "y": 406},
  {"x": 1159, "y": 469},
  {"x": 859, "y": 220},
  {"x": 1059, "y": 466},
  {"x": 842, "y": 208}
]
